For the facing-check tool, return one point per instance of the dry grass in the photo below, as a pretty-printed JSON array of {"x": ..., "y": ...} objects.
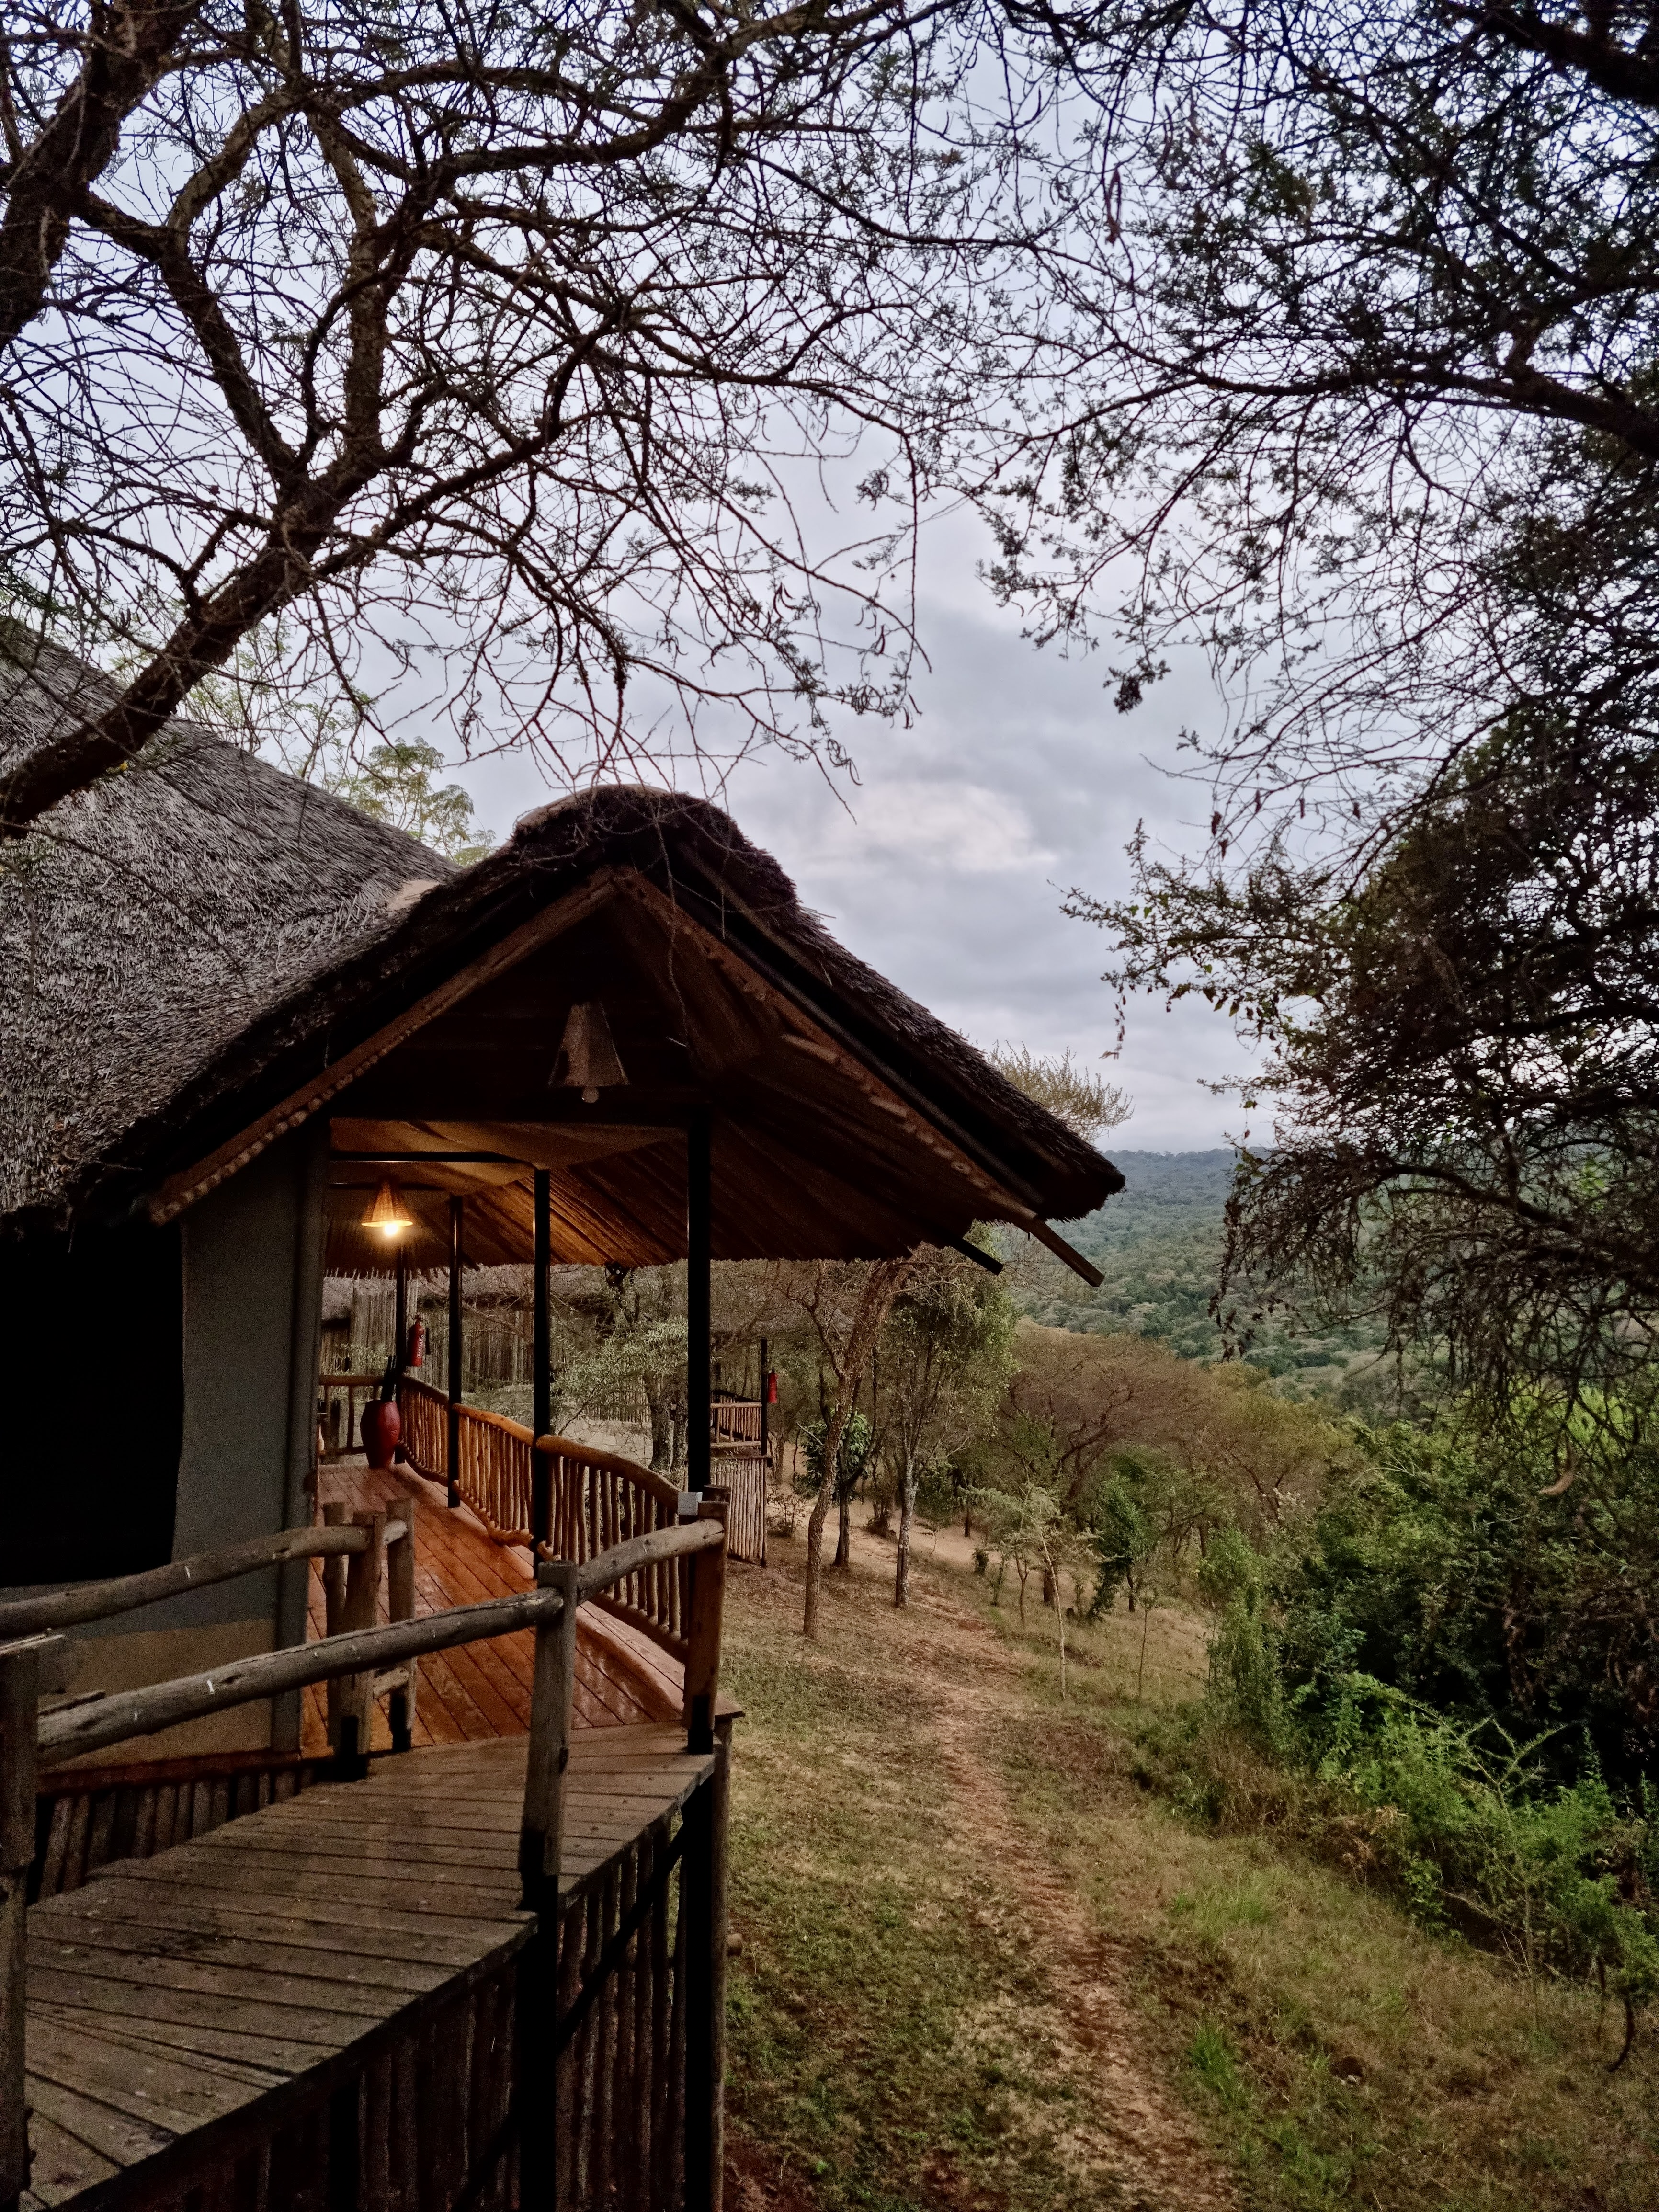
[{"x": 902, "y": 2036}]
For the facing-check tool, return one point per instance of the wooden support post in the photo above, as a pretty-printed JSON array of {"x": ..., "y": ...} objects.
[
  {"x": 400, "y": 1337},
  {"x": 702, "y": 1873},
  {"x": 334, "y": 1590},
  {"x": 703, "y": 1614},
  {"x": 541, "y": 1419},
  {"x": 552, "y": 1703},
  {"x": 541, "y": 1838},
  {"x": 457, "y": 1213},
  {"x": 20, "y": 1703},
  {"x": 699, "y": 1346},
  {"x": 362, "y": 1592},
  {"x": 719, "y": 1788},
  {"x": 400, "y": 1604}
]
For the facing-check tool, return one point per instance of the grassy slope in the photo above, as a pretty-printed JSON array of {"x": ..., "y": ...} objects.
[{"x": 906, "y": 2025}]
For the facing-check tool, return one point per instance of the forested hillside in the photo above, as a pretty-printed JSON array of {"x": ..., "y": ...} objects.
[{"x": 1158, "y": 1245}]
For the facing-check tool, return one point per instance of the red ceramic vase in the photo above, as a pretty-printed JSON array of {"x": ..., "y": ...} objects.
[{"x": 382, "y": 1426}]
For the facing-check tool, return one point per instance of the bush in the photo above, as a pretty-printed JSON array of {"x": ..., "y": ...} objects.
[
  {"x": 1465, "y": 1576},
  {"x": 856, "y": 1440},
  {"x": 1516, "y": 1838}
]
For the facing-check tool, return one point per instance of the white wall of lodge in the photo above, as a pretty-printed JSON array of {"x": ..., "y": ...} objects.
[{"x": 252, "y": 1286}]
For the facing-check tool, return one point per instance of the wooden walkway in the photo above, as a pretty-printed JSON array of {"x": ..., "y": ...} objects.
[
  {"x": 184, "y": 2010},
  {"x": 482, "y": 1691}
]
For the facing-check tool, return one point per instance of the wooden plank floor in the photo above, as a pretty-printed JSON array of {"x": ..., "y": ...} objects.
[
  {"x": 482, "y": 1691},
  {"x": 197, "y": 1991}
]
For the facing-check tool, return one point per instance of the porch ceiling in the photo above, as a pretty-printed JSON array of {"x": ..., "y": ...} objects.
[{"x": 814, "y": 1154}]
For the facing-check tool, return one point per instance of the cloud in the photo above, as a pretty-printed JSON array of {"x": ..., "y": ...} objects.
[
  {"x": 934, "y": 822},
  {"x": 946, "y": 865}
]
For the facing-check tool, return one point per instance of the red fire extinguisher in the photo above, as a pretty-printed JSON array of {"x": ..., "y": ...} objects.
[
  {"x": 771, "y": 1386},
  {"x": 417, "y": 1345}
]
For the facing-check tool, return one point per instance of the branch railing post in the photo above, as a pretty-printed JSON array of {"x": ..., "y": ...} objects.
[
  {"x": 20, "y": 1706},
  {"x": 552, "y": 1708},
  {"x": 703, "y": 1879},
  {"x": 541, "y": 1842},
  {"x": 363, "y": 1592},
  {"x": 334, "y": 1590},
  {"x": 400, "y": 1605},
  {"x": 705, "y": 1608}
]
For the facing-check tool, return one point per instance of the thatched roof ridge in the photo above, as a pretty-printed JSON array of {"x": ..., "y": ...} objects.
[{"x": 193, "y": 937}]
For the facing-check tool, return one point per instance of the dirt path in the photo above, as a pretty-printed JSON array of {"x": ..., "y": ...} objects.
[
  {"x": 1152, "y": 2148},
  {"x": 1149, "y": 2145}
]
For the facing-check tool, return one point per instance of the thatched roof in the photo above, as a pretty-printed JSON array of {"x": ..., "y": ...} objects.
[
  {"x": 195, "y": 937},
  {"x": 151, "y": 919}
]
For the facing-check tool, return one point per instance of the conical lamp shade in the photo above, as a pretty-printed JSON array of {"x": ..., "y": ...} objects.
[{"x": 389, "y": 1214}]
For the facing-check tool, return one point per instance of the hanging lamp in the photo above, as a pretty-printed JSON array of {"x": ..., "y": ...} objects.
[{"x": 389, "y": 1213}]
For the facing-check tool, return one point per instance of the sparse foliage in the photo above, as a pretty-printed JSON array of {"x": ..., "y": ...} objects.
[
  {"x": 946, "y": 1352},
  {"x": 1085, "y": 1102},
  {"x": 509, "y": 345},
  {"x": 397, "y": 783}
]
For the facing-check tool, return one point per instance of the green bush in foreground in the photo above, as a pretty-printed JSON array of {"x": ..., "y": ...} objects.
[{"x": 1397, "y": 1652}]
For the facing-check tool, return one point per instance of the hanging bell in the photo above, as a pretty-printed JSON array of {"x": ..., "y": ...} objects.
[{"x": 586, "y": 1058}]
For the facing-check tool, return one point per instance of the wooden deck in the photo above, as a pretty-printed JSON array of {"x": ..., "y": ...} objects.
[
  {"x": 190, "y": 2015},
  {"x": 482, "y": 1691}
]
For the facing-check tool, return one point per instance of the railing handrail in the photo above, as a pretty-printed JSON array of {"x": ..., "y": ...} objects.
[
  {"x": 471, "y": 1412},
  {"x": 95, "y": 1722},
  {"x": 655, "y": 1486},
  {"x": 102, "y": 1601}
]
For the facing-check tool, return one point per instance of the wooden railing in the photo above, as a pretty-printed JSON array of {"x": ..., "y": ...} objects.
[
  {"x": 736, "y": 1421},
  {"x": 33, "y": 1616},
  {"x": 493, "y": 1473},
  {"x": 601, "y": 1499},
  {"x": 743, "y": 1478},
  {"x": 89, "y": 1818},
  {"x": 338, "y": 1398},
  {"x": 573, "y": 1971}
]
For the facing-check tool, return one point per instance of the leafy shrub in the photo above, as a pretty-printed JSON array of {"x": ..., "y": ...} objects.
[
  {"x": 856, "y": 1440},
  {"x": 1468, "y": 1577},
  {"x": 1516, "y": 1838}
]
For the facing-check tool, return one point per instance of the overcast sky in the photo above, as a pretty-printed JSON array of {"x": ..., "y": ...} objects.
[{"x": 946, "y": 865}]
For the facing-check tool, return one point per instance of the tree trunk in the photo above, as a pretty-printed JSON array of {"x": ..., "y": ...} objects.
[
  {"x": 844, "y": 1530},
  {"x": 1050, "y": 1594},
  {"x": 907, "y": 1516},
  {"x": 662, "y": 1433},
  {"x": 887, "y": 1279}
]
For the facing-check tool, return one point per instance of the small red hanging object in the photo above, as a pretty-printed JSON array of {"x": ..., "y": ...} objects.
[
  {"x": 383, "y": 1426},
  {"x": 416, "y": 1352},
  {"x": 771, "y": 1386}
]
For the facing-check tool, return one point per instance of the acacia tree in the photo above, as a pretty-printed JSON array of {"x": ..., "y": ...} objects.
[
  {"x": 946, "y": 1352},
  {"x": 501, "y": 337},
  {"x": 1376, "y": 315},
  {"x": 845, "y": 1301}
]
